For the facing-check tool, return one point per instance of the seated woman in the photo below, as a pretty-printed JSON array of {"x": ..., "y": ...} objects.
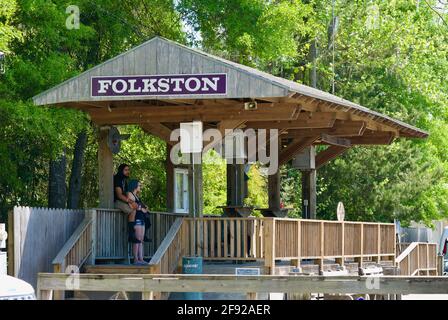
[{"x": 139, "y": 225}]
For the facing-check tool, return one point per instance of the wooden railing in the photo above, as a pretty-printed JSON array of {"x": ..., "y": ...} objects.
[
  {"x": 166, "y": 259},
  {"x": 103, "y": 235},
  {"x": 112, "y": 233},
  {"x": 78, "y": 249},
  {"x": 419, "y": 258},
  {"x": 401, "y": 246},
  {"x": 149, "y": 283},
  {"x": 318, "y": 239},
  {"x": 268, "y": 239},
  {"x": 219, "y": 238}
]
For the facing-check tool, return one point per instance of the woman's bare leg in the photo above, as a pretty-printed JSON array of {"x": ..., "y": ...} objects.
[
  {"x": 135, "y": 251},
  {"x": 139, "y": 231}
]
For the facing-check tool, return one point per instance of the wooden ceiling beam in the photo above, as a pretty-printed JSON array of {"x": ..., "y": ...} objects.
[
  {"x": 265, "y": 112},
  {"x": 222, "y": 126},
  {"x": 329, "y": 154},
  {"x": 335, "y": 141},
  {"x": 339, "y": 129},
  {"x": 178, "y": 101},
  {"x": 374, "y": 138},
  {"x": 158, "y": 130},
  {"x": 210, "y": 106},
  {"x": 305, "y": 120},
  {"x": 294, "y": 148}
]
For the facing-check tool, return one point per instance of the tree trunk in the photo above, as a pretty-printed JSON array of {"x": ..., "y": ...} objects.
[
  {"x": 74, "y": 187},
  {"x": 57, "y": 189}
]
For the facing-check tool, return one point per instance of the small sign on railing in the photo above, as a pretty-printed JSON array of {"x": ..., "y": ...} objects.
[{"x": 247, "y": 271}]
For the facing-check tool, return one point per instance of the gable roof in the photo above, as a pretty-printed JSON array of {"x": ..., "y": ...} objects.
[{"x": 162, "y": 56}]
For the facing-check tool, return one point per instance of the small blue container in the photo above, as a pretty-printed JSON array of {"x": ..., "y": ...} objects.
[{"x": 192, "y": 265}]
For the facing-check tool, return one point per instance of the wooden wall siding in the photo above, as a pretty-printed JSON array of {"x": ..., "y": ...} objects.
[
  {"x": 387, "y": 232},
  {"x": 333, "y": 239},
  {"x": 46, "y": 240},
  {"x": 370, "y": 239},
  {"x": 311, "y": 240},
  {"x": 39, "y": 234},
  {"x": 352, "y": 231},
  {"x": 286, "y": 236},
  {"x": 160, "y": 56}
]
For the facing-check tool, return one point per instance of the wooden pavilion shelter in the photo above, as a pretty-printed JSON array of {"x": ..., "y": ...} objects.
[
  {"x": 116, "y": 93},
  {"x": 160, "y": 84}
]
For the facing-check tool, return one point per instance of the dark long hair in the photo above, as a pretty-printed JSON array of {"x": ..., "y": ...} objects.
[{"x": 120, "y": 170}]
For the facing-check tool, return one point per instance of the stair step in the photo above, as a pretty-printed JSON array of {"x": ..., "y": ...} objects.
[{"x": 117, "y": 269}]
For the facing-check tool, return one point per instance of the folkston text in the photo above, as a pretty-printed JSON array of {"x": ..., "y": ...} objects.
[{"x": 156, "y": 85}]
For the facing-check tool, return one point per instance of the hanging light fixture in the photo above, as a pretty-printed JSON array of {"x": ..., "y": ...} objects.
[{"x": 2, "y": 63}]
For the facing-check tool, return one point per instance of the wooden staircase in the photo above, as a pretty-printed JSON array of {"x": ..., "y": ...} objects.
[{"x": 418, "y": 259}]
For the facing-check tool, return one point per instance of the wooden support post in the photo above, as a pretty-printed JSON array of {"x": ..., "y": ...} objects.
[
  {"x": 360, "y": 259},
  {"x": 147, "y": 295},
  {"x": 439, "y": 265},
  {"x": 309, "y": 194},
  {"x": 251, "y": 296},
  {"x": 240, "y": 183},
  {"x": 322, "y": 245},
  {"x": 418, "y": 259},
  {"x": 341, "y": 260},
  {"x": 158, "y": 227},
  {"x": 196, "y": 184},
  {"x": 408, "y": 258},
  {"x": 169, "y": 180},
  {"x": 105, "y": 170},
  {"x": 10, "y": 251},
  {"x": 235, "y": 184},
  {"x": 92, "y": 213},
  {"x": 44, "y": 294},
  {"x": 343, "y": 244},
  {"x": 269, "y": 245},
  {"x": 379, "y": 243},
  {"x": 274, "y": 190},
  {"x": 296, "y": 262},
  {"x": 58, "y": 294},
  {"x": 395, "y": 247}
]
